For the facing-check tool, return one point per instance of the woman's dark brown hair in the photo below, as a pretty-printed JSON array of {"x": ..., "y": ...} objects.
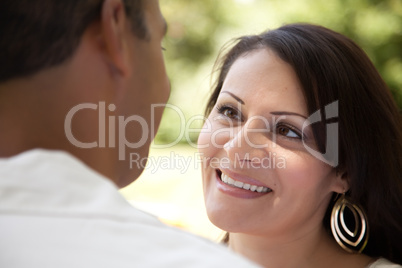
[{"x": 331, "y": 67}]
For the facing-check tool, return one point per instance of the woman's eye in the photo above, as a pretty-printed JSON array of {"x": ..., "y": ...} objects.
[
  {"x": 229, "y": 112},
  {"x": 288, "y": 132}
]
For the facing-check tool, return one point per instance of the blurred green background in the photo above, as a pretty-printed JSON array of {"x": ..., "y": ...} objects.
[{"x": 198, "y": 29}]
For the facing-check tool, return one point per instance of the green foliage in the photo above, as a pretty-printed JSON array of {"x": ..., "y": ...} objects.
[
  {"x": 192, "y": 28},
  {"x": 198, "y": 29}
]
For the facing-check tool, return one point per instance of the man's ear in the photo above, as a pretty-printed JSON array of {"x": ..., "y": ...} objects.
[
  {"x": 113, "y": 24},
  {"x": 341, "y": 183}
]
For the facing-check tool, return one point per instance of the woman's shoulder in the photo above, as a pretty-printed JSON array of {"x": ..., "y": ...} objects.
[{"x": 383, "y": 263}]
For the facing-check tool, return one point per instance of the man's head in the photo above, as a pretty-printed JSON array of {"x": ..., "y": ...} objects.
[
  {"x": 58, "y": 55},
  {"x": 43, "y": 33}
]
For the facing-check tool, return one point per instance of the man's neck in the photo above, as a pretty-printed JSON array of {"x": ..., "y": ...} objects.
[{"x": 33, "y": 113}]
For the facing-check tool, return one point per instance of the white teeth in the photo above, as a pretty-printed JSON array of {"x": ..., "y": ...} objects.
[
  {"x": 224, "y": 178},
  {"x": 254, "y": 188},
  {"x": 239, "y": 184}
]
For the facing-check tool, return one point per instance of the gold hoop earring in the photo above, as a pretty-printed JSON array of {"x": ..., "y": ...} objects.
[{"x": 353, "y": 242}]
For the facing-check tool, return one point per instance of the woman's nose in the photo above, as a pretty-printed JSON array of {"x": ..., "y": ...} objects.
[{"x": 251, "y": 143}]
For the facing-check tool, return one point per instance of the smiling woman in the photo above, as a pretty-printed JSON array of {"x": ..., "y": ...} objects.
[{"x": 310, "y": 97}]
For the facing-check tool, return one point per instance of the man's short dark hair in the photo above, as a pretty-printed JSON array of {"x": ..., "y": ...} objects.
[{"x": 37, "y": 34}]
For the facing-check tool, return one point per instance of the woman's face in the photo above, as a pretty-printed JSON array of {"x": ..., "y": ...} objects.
[{"x": 258, "y": 177}]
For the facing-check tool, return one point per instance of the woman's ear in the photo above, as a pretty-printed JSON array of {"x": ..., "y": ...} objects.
[
  {"x": 114, "y": 36},
  {"x": 341, "y": 183}
]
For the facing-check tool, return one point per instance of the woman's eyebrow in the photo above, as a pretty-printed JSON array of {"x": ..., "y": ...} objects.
[
  {"x": 287, "y": 113},
  {"x": 234, "y": 96},
  {"x": 273, "y": 113}
]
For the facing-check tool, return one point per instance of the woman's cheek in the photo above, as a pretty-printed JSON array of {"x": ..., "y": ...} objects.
[
  {"x": 213, "y": 137},
  {"x": 204, "y": 137}
]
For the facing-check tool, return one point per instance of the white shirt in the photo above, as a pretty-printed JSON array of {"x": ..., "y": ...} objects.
[
  {"x": 56, "y": 212},
  {"x": 383, "y": 263}
]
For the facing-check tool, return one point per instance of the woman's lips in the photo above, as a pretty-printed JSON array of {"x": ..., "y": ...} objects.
[
  {"x": 246, "y": 186},
  {"x": 241, "y": 189}
]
